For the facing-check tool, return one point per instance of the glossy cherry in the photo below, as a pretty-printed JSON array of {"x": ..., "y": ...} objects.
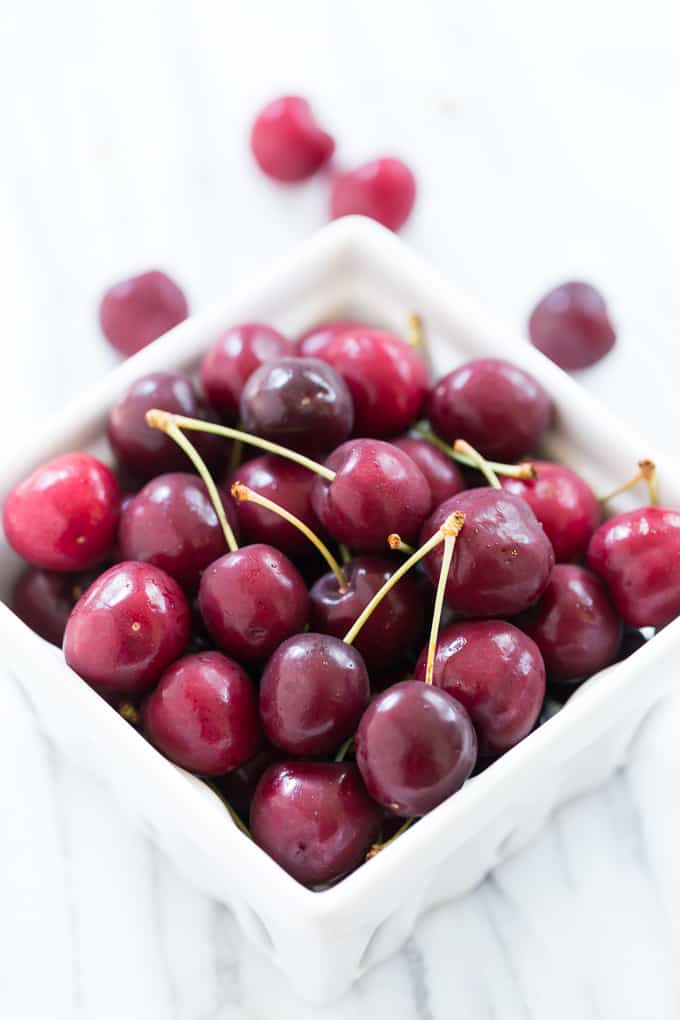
[
  {"x": 415, "y": 746},
  {"x": 287, "y": 142},
  {"x": 130, "y": 624},
  {"x": 384, "y": 189},
  {"x": 495, "y": 406},
  {"x": 496, "y": 672},
  {"x": 564, "y": 504},
  {"x": 233, "y": 358},
  {"x": 314, "y": 819},
  {"x": 312, "y": 343},
  {"x": 43, "y": 599},
  {"x": 443, "y": 475},
  {"x": 136, "y": 311},
  {"x": 203, "y": 714},
  {"x": 65, "y": 514},
  {"x": 238, "y": 786},
  {"x": 571, "y": 325}
]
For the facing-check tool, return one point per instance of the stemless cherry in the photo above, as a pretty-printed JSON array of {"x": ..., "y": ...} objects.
[
  {"x": 312, "y": 343},
  {"x": 64, "y": 515},
  {"x": 384, "y": 189},
  {"x": 287, "y": 142},
  {"x": 564, "y": 504},
  {"x": 130, "y": 624},
  {"x": 238, "y": 786},
  {"x": 571, "y": 325},
  {"x": 313, "y": 692},
  {"x": 574, "y": 624},
  {"x": 496, "y": 406},
  {"x": 171, "y": 523},
  {"x": 44, "y": 599},
  {"x": 233, "y": 358},
  {"x": 415, "y": 746},
  {"x": 302, "y": 403},
  {"x": 136, "y": 311},
  {"x": 496, "y": 672},
  {"x": 443, "y": 475},
  {"x": 203, "y": 714},
  {"x": 314, "y": 819}
]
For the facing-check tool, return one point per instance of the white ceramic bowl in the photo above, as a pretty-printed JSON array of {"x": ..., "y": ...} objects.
[{"x": 323, "y": 941}]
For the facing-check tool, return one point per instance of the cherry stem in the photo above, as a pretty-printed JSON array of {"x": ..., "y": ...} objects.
[
  {"x": 415, "y": 334},
  {"x": 158, "y": 419},
  {"x": 451, "y": 525},
  {"x": 377, "y": 847},
  {"x": 461, "y": 446},
  {"x": 345, "y": 554},
  {"x": 525, "y": 471},
  {"x": 236, "y": 455},
  {"x": 394, "y": 541},
  {"x": 243, "y": 494},
  {"x": 128, "y": 711},
  {"x": 449, "y": 546},
  {"x": 344, "y": 748},
  {"x": 646, "y": 474}
]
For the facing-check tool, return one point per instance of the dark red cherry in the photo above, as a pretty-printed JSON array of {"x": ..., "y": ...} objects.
[
  {"x": 313, "y": 692},
  {"x": 415, "y": 746},
  {"x": 564, "y": 504},
  {"x": 637, "y": 555},
  {"x": 136, "y": 311},
  {"x": 314, "y": 818},
  {"x": 238, "y": 786},
  {"x": 571, "y": 325},
  {"x": 495, "y": 406},
  {"x": 301, "y": 403},
  {"x": 443, "y": 475},
  {"x": 203, "y": 714},
  {"x": 397, "y": 626},
  {"x": 65, "y": 514},
  {"x": 287, "y": 142},
  {"x": 502, "y": 560},
  {"x": 377, "y": 490},
  {"x": 171, "y": 523},
  {"x": 130, "y": 624},
  {"x": 387, "y": 378},
  {"x": 312, "y": 343},
  {"x": 496, "y": 672},
  {"x": 233, "y": 358},
  {"x": 384, "y": 189},
  {"x": 145, "y": 452},
  {"x": 251, "y": 600},
  {"x": 44, "y": 599},
  {"x": 574, "y": 624}
]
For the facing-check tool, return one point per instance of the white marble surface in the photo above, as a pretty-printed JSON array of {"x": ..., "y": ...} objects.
[{"x": 545, "y": 141}]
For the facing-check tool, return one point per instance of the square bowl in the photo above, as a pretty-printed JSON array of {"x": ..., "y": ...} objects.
[{"x": 324, "y": 940}]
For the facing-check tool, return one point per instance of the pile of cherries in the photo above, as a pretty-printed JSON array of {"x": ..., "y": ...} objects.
[{"x": 329, "y": 587}]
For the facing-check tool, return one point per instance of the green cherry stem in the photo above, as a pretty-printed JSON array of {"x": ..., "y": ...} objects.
[
  {"x": 394, "y": 542},
  {"x": 449, "y": 546},
  {"x": 646, "y": 474},
  {"x": 130, "y": 713},
  {"x": 460, "y": 446},
  {"x": 526, "y": 470},
  {"x": 343, "y": 749},
  {"x": 377, "y": 847}
]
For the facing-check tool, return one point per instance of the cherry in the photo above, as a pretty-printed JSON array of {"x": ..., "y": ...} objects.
[
  {"x": 443, "y": 475},
  {"x": 496, "y": 672},
  {"x": 146, "y": 452},
  {"x": 384, "y": 189},
  {"x": 574, "y": 624},
  {"x": 233, "y": 358},
  {"x": 172, "y": 524},
  {"x": 312, "y": 343},
  {"x": 313, "y": 692},
  {"x": 302, "y": 403},
  {"x": 136, "y": 311},
  {"x": 130, "y": 624},
  {"x": 64, "y": 515},
  {"x": 571, "y": 326},
  {"x": 637, "y": 555},
  {"x": 496, "y": 406},
  {"x": 44, "y": 600},
  {"x": 503, "y": 558},
  {"x": 238, "y": 786},
  {"x": 415, "y": 746},
  {"x": 251, "y": 600},
  {"x": 377, "y": 489},
  {"x": 564, "y": 504},
  {"x": 287, "y": 142},
  {"x": 203, "y": 714},
  {"x": 314, "y": 819}
]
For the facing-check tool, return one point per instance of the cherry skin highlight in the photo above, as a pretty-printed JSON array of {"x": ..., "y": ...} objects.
[
  {"x": 44, "y": 599},
  {"x": 384, "y": 189},
  {"x": 65, "y": 514},
  {"x": 314, "y": 819},
  {"x": 312, "y": 343},
  {"x": 443, "y": 474},
  {"x": 130, "y": 624},
  {"x": 571, "y": 326},
  {"x": 496, "y": 672},
  {"x": 136, "y": 311},
  {"x": 287, "y": 142},
  {"x": 233, "y": 358},
  {"x": 203, "y": 714}
]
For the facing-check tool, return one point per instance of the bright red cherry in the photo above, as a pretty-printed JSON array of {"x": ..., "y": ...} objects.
[
  {"x": 312, "y": 343},
  {"x": 415, "y": 746},
  {"x": 64, "y": 515},
  {"x": 136, "y": 311},
  {"x": 384, "y": 189},
  {"x": 495, "y": 406},
  {"x": 44, "y": 599},
  {"x": 203, "y": 714},
  {"x": 314, "y": 818},
  {"x": 571, "y": 325},
  {"x": 564, "y": 504},
  {"x": 637, "y": 555},
  {"x": 233, "y": 358},
  {"x": 130, "y": 624},
  {"x": 496, "y": 672},
  {"x": 443, "y": 475},
  {"x": 287, "y": 142}
]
